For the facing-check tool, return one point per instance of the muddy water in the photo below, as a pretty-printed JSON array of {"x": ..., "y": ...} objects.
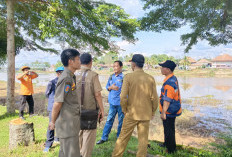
[{"x": 210, "y": 99}]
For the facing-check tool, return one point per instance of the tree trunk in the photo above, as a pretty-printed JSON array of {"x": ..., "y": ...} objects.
[
  {"x": 20, "y": 133},
  {"x": 10, "y": 56}
]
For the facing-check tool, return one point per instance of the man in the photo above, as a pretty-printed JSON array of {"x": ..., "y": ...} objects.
[
  {"x": 170, "y": 104},
  {"x": 92, "y": 99},
  {"x": 139, "y": 102},
  {"x": 50, "y": 93},
  {"x": 114, "y": 86},
  {"x": 66, "y": 111},
  {"x": 26, "y": 90}
]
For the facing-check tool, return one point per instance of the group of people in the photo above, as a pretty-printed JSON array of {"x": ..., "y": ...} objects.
[{"x": 74, "y": 97}]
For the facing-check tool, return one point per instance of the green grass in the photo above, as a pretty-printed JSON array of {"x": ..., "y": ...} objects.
[{"x": 104, "y": 150}]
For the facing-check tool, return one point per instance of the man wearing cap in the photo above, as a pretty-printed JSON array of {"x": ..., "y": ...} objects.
[
  {"x": 139, "y": 102},
  {"x": 170, "y": 104},
  {"x": 50, "y": 93},
  {"x": 66, "y": 110},
  {"x": 26, "y": 90}
]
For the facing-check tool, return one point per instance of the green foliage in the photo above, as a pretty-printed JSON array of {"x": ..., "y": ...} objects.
[
  {"x": 225, "y": 149},
  {"x": 86, "y": 23},
  {"x": 209, "y": 20},
  {"x": 81, "y": 24},
  {"x": 58, "y": 64}
]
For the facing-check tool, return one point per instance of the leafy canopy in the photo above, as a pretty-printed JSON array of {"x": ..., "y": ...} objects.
[
  {"x": 87, "y": 24},
  {"x": 209, "y": 20}
]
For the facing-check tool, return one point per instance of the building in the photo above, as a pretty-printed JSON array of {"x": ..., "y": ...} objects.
[
  {"x": 201, "y": 63},
  {"x": 222, "y": 61}
]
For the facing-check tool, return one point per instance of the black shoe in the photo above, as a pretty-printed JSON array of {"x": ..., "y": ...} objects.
[{"x": 100, "y": 142}]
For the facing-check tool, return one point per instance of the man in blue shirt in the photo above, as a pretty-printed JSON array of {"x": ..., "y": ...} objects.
[
  {"x": 114, "y": 86},
  {"x": 50, "y": 93}
]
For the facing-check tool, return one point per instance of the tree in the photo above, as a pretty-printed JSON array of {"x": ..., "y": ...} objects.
[
  {"x": 209, "y": 20},
  {"x": 81, "y": 24}
]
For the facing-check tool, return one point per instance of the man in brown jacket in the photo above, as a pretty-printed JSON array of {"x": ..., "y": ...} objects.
[
  {"x": 139, "y": 101},
  {"x": 92, "y": 99}
]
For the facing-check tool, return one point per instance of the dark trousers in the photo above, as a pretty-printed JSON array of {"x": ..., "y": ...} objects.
[
  {"x": 50, "y": 134},
  {"x": 169, "y": 134},
  {"x": 30, "y": 101}
]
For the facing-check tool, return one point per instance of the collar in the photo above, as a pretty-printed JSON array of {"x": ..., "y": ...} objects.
[
  {"x": 68, "y": 72},
  {"x": 120, "y": 74},
  {"x": 138, "y": 70},
  {"x": 167, "y": 77},
  {"x": 84, "y": 68}
]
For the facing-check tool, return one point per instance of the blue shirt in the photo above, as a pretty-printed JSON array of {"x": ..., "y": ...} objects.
[
  {"x": 50, "y": 93},
  {"x": 114, "y": 95}
]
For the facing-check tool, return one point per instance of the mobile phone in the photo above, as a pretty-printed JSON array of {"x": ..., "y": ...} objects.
[{"x": 99, "y": 120}]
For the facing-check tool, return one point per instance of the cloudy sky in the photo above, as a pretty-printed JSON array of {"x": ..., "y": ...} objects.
[{"x": 149, "y": 42}]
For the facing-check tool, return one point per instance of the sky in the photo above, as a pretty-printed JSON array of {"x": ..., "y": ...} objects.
[{"x": 148, "y": 42}]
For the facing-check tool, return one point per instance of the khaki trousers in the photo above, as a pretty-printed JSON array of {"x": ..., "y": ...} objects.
[
  {"x": 69, "y": 147},
  {"x": 87, "y": 140},
  {"x": 126, "y": 132}
]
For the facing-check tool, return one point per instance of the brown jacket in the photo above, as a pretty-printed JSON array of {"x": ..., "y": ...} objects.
[
  {"x": 92, "y": 86},
  {"x": 139, "y": 97}
]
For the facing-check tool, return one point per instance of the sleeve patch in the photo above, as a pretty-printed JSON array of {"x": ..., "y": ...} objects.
[{"x": 66, "y": 88}]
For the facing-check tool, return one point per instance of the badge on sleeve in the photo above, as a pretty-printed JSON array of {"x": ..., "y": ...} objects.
[
  {"x": 73, "y": 86},
  {"x": 66, "y": 88}
]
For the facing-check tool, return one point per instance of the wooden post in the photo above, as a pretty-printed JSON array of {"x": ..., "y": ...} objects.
[{"x": 20, "y": 133}]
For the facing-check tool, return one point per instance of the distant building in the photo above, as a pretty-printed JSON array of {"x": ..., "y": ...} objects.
[
  {"x": 201, "y": 63},
  {"x": 222, "y": 61}
]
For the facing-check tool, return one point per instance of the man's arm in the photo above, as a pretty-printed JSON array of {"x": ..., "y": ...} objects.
[
  {"x": 170, "y": 92},
  {"x": 98, "y": 97},
  {"x": 34, "y": 74},
  {"x": 165, "y": 108},
  {"x": 155, "y": 99},
  {"x": 20, "y": 76},
  {"x": 48, "y": 90},
  {"x": 60, "y": 94},
  {"x": 124, "y": 94},
  {"x": 108, "y": 84},
  {"x": 55, "y": 112}
]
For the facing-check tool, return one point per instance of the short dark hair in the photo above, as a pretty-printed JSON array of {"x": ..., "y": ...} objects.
[
  {"x": 140, "y": 65},
  {"x": 86, "y": 58},
  {"x": 68, "y": 54},
  {"x": 119, "y": 62}
]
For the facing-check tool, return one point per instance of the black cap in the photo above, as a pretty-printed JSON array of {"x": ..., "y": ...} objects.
[
  {"x": 168, "y": 64},
  {"x": 138, "y": 58}
]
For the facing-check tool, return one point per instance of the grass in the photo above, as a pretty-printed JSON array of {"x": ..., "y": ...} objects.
[{"x": 104, "y": 150}]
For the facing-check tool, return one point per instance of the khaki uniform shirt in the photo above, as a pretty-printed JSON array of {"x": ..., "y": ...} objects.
[
  {"x": 92, "y": 86},
  {"x": 69, "y": 117},
  {"x": 139, "y": 97}
]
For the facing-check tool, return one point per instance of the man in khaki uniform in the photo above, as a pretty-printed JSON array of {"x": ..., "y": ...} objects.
[
  {"x": 139, "y": 102},
  {"x": 65, "y": 112},
  {"x": 92, "y": 99}
]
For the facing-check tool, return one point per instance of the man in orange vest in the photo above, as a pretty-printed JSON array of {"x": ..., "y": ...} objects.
[
  {"x": 170, "y": 104},
  {"x": 26, "y": 90}
]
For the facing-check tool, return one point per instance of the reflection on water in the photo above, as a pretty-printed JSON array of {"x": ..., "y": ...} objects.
[{"x": 213, "y": 117}]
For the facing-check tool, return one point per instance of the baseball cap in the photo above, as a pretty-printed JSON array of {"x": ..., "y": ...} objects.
[
  {"x": 138, "y": 58},
  {"x": 59, "y": 69},
  {"x": 25, "y": 67},
  {"x": 168, "y": 64}
]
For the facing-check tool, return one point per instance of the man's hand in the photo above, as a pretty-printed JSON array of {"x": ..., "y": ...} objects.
[
  {"x": 114, "y": 87},
  {"x": 51, "y": 126},
  {"x": 163, "y": 116},
  {"x": 100, "y": 116}
]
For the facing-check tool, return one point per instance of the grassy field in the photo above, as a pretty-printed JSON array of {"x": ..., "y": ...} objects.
[{"x": 104, "y": 150}]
